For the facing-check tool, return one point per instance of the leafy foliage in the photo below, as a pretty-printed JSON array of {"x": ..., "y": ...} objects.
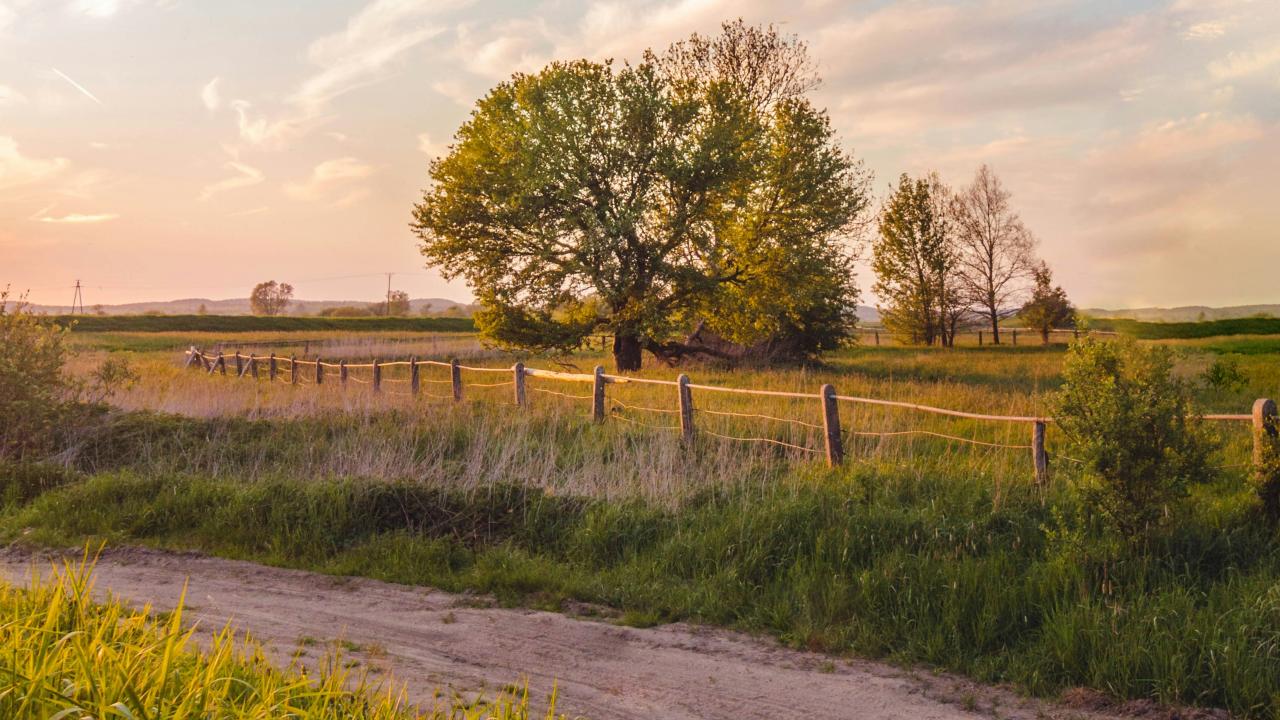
[
  {"x": 914, "y": 259},
  {"x": 644, "y": 198},
  {"x": 35, "y": 396},
  {"x": 1225, "y": 374},
  {"x": 270, "y": 298},
  {"x": 1048, "y": 307},
  {"x": 1130, "y": 421}
]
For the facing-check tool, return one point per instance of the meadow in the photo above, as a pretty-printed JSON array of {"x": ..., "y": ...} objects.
[{"x": 920, "y": 549}]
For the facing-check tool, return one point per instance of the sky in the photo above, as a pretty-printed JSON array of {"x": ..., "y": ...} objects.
[{"x": 159, "y": 149}]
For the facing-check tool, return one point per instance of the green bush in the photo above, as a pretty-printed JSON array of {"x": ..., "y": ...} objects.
[
  {"x": 34, "y": 394},
  {"x": 1225, "y": 374},
  {"x": 1130, "y": 421}
]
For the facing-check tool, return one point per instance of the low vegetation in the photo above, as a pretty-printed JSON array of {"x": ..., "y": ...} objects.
[
  {"x": 1189, "y": 330},
  {"x": 920, "y": 549},
  {"x": 68, "y": 656}
]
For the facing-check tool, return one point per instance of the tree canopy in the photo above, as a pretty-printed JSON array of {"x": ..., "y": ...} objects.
[
  {"x": 270, "y": 298},
  {"x": 643, "y": 200}
]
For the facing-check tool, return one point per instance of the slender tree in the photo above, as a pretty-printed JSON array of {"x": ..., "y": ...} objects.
[
  {"x": 635, "y": 199},
  {"x": 1048, "y": 307},
  {"x": 914, "y": 262},
  {"x": 996, "y": 251}
]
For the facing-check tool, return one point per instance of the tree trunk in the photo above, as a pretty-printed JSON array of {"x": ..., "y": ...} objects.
[
  {"x": 1044, "y": 335},
  {"x": 626, "y": 352},
  {"x": 995, "y": 327}
]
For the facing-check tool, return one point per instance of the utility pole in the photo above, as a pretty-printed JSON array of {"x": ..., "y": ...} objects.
[
  {"x": 387, "y": 312},
  {"x": 77, "y": 301}
]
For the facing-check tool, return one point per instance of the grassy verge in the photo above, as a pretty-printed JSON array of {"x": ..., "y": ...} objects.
[
  {"x": 1004, "y": 583},
  {"x": 255, "y": 323},
  {"x": 68, "y": 656}
]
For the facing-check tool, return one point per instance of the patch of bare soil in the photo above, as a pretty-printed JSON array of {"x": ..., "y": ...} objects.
[{"x": 436, "y": 641}]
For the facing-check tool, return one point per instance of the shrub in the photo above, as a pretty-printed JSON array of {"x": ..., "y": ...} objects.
[
  {"x": 1131, "y": 423},
  {"x": 34, "y": 394},
  {"x": 1225, "y": 374}
]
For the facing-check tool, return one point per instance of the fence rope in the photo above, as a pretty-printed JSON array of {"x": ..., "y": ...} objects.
[
  {"x": 726, "y": 413},
  {"x": 643, "y": 408},
  {"x": 759, "y": 439},
  {"x": 957, "y": 438},
  {"x": 489, "y": 385},
  {"x": 564, "y": 395},
  {"x": 624, "y": 418},
  {"x": 481, "y": 369}
]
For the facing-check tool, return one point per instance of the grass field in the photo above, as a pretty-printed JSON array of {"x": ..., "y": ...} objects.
[
  {"x": 1188, "y": 330},
  {"x": 919, "y": 549}
]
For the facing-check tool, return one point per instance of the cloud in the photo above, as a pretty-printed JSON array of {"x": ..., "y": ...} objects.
[
  {"x": 17, "y": 169},
  {"x": 244, "y": 177},
  {"x": 357, "y": 56},
  {"x": 332, "y": 178},
  {"x": 10, "y": 96},
  {"x": 209, "y": 94},
  {"x": 1238, "y": 65},
  {"x": 429, "y": 147},
  {"x": 1205, "y": 30},
  {"x": 104, "y": 8},
  {"x": 73, "y": 218}
]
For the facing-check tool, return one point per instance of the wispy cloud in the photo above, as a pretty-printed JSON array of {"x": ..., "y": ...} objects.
[
  {"x": 1238, "y": 65},
  {"x": 9, "y": 96},
  {"x": 73, "y": 218},
  {"x": 429, "y": 147},
  {"x": 332, "y": 178},
  {"x": 17, "y": 169},
  {"x": 209, "y": 94},
  {"x": 359, "y": 55},
  {"x": 245, "y": 176},
  {"x": 76, "y": 85}
]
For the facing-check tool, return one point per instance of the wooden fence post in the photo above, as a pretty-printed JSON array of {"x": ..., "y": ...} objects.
[
  {"x": 191, "y": 356},
  {"x": 239, "y": 365},
  {"x": 293, "y": 369},
  {"x": 831, "y": 424},
  {"x": 1265, "y": 429},
  {"x": 271, "y": 368},
  {"x": 319, "y": 371},
  {"x": 414, "y": 382},
  {"x": 597, "y": 395},
  {"x": 342, "y": 373},
  {"x": 517, "y": 371},
  {"x": 979, "y": 338},
  {"x": 1039, "y": 458},
  {"x": 253, "y": 366},
  {"x": 377, "y": 376},
  {"x": 242, "y": 368},
  {"x": 1015, "y": 337},
  {"x": 877, "y": 338},
  {"x": 455, "y": 375},
  {"x": 686, "y": 407}
]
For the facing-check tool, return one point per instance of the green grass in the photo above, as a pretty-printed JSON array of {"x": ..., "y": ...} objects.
[
  {"x": 67, "y": 656},
  {"x": 252, "y": 323},
  {"x": 1189, "y": 330},
  {"x": 918, "y": 550},
  {"x": 940, "y": 567},
  {"x": 921, "y": 570}
]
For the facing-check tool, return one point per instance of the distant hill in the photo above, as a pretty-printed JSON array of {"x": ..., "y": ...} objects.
[
  {"x": 240, "y": 306},
  {"x": 1187, "y": 313}
]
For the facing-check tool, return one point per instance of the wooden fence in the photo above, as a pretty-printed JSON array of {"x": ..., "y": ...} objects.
[{"x": 291, "y": 370}]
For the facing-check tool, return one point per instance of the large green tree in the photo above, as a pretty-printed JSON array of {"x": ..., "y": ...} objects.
[{"x": 644, "y": 199}]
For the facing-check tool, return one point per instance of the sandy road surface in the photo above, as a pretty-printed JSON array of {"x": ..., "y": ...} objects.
[{"x": 435, "y": 640}]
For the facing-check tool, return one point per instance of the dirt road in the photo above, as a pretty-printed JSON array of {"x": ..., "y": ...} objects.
[{"x": 435, "y": 640}]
